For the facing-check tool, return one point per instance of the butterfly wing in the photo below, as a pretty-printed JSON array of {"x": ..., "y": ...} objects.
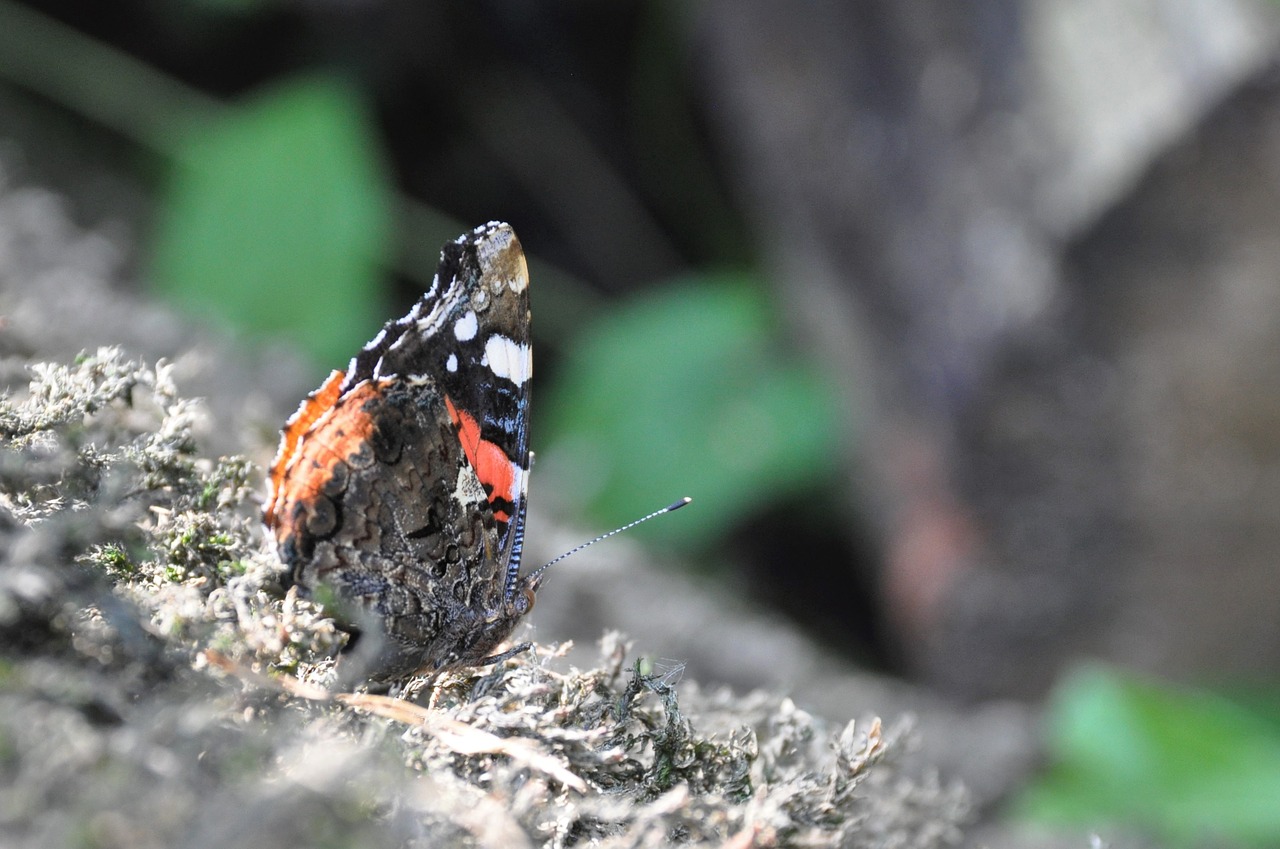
[
  {"x": 470, "y": 333},
  {"x": 401, "y": 484}
]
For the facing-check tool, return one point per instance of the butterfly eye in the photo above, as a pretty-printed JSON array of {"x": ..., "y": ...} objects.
[{"x": 524, "y": 602}]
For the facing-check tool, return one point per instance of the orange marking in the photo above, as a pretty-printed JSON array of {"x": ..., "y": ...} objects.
[
  {"x": 313, "y": 407},
  {"x": 309, "y": 451},
  {"x": 491, "y": 463}
]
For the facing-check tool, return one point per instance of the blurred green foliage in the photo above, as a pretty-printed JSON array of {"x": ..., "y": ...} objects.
[
  {"x": 276, "y": 218},
  {"x": 686, "y": 390},
  {"x": 1191, "y": 767}
]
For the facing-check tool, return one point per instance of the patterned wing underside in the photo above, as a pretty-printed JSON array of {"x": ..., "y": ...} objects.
[
  {"x": 383, "y": 508},
  {"x": 401, "y": 484},
  {"x": 470, "y": 334}
]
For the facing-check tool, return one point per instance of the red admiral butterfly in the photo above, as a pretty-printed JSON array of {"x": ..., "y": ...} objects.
[{"x": 400, "y": 485}]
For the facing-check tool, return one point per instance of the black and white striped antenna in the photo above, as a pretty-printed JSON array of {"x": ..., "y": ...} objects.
[{"x": 534, "y": 578}]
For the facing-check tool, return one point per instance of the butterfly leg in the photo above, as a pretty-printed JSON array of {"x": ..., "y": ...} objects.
[{"x": 501, "y": 656}]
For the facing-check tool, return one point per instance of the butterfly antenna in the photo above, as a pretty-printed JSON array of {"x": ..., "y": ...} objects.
[{"x": 535, "y": 577}]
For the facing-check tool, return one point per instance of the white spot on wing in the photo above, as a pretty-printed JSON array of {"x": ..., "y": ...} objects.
[
  {"x": 429, "y": 323},
  {"x": 508, "y": 359},
  {"x": 467, "y": 488},
  {"x": 451, "y": 364},
  {"x": 521, "y": 281},
  {"x": 377, "y": 340},
  {"x": 464, "y": 329}
]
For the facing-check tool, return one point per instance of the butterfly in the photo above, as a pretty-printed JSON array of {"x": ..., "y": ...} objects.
[{"x": 398, "y": 494}]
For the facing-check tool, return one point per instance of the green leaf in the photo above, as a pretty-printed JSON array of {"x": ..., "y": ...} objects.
[
  {"x": 276, "y": 218},
  {"x": 686, "y": 391},
  {"x": 1190, "y": 767}
]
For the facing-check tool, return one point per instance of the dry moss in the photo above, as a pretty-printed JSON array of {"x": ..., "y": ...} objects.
[{"x": 158, "y": 687}]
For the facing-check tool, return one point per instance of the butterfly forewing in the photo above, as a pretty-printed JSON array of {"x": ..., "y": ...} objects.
[{"x": 470, "y": 333}]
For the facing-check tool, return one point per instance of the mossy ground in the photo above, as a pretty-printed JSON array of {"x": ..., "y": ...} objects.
[{"x": 158, "y": 687}]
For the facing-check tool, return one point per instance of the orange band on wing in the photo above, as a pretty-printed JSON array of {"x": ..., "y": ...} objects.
[
  {"x": 491, "y": 463},
  {"x": 313, "y": 407}
]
